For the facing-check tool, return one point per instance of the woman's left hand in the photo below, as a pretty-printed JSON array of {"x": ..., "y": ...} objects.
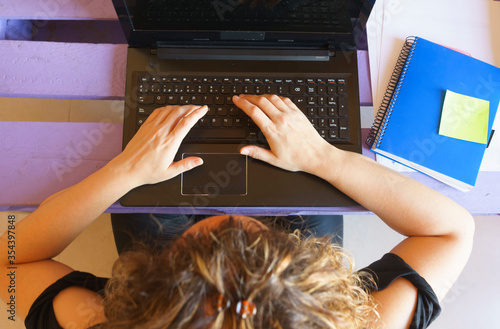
[{"x": 149, "y": 156}]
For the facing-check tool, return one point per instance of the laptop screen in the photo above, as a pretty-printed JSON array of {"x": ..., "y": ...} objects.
[{"x": 303, "y": 16}]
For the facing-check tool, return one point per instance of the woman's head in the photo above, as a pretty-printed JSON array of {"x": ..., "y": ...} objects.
[{"x": 293, "y": 282}]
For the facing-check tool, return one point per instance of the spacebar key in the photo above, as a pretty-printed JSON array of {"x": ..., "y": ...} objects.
[{"x": 211, "y": 133}]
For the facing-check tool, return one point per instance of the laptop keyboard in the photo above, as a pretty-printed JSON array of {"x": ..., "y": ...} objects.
[{"x": 323, "y": 100}]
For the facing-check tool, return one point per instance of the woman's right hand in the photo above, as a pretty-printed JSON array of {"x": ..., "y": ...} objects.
[{"x": 295, "y": 144}]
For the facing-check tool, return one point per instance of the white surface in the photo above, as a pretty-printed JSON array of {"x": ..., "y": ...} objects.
[
  {"x": 472, "y": 26},
  {"x": 472, "y": 301}
]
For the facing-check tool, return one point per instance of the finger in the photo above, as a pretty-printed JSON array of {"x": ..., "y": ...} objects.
[
  {"x": 278, "y": 102},
  {"x": 288, "y": 102},
  {"x": 187, "y": 122},
  {"x": 163, "y": 114},
  {"x": 259, "y": 153},
  {"x": 175, "y": 116},
  {"x": 264, "y": 104},
  {"x": 184, "y": 165},
  {"x": 152, "y": 117},
  {"x": 253, "y": 111}
]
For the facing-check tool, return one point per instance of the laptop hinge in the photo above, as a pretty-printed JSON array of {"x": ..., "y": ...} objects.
[{"x": 220, "y": 52}]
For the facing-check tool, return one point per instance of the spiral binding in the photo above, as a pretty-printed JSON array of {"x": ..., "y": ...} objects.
[{"x": 391, "y": 94}]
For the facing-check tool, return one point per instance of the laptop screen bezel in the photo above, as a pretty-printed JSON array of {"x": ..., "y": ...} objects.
[{"x": 150, "y": 38}]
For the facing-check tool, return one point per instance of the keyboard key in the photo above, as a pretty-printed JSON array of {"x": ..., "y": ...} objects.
[
  {"x": 161, "y": 99},
  {"x": 212, "y": 110},
  {"x": 196, "y": 100},
  {"x": 215, "y": 122},
  {"x": 145, "y": 110},
  {"x": 343, "y": 128},
  {"x": 342, "y": 90},
  {"x": 155, "y": 88},
  {"x": 233, "y": 111},
  {"x": 333, "y": 133},
  {"x": 207, "y": 99},
  {"x": 219, "y": 100},
  {"x": 214, "y": 89},
  {"x": 300, "y": 102},
  {"x": 239, "y": 122},
  {"x": 260, "y": 90},
  {"x": 248, "y": 89},
  {"x": 141, "y": 120},
  {"x": 237, "y": 90},
  {"x": 298, "y": 90},
  {"x": 343, "y": 106},
  {"x": 271, "y": 90},
  {"x": 148, "y": 99},
  {"x": 204, "y": 122},
  {"x": 332, "y": 90},
  {"x": 167, "y": 89},
  {"x": 172, "y": 99},
  {"x": 283, "y": 90},
  {"x": 221, "y": 111}
]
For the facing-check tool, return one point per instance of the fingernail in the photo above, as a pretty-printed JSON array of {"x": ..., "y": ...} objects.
[
  {"x": 244, "y": 152},
  {"x": 236, "y": 97},
  {"x": 198, "y": 162}
]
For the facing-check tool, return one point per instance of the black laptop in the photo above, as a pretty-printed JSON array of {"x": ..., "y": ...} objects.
[{"x": 206, "y": 51}]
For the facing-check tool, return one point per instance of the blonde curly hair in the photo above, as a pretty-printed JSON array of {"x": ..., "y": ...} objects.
[{"x": 295, "y": 282}]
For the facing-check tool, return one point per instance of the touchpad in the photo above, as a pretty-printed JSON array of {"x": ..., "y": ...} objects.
[{"x": 220, "y": 174}]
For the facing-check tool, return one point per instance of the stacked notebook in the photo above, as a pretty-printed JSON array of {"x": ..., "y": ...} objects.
[{"x": 414, "y": 121}]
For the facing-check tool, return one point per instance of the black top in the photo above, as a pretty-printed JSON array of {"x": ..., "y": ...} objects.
[
  {"x": 385, "y": 271},
  {"x": 41, "y": 314},
  {"x": 389, "y": 268}
]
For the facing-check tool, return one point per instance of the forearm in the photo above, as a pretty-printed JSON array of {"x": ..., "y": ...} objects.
[
  {"x": 59, "y": 220},
  {"x": 147, "y": 159},
  {"x": 404, "y": 204}
]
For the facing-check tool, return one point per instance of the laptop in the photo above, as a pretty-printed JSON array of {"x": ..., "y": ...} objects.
[{"x": 206, "y": 51}]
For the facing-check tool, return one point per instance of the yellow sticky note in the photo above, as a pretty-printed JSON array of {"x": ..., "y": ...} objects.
[{"x": 465, "y": 118}]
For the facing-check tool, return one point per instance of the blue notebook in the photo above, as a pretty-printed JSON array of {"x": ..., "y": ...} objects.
[{"x": 407, "y": 124}]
